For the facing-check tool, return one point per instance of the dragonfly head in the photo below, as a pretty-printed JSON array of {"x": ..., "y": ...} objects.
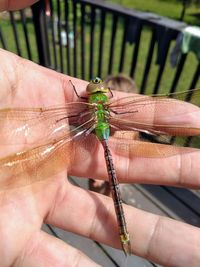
[{"x": 96, "y": 85}]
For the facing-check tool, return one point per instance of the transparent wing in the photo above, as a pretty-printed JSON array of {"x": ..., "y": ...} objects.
[
  {"x": 23, "y": 128},
  {"x": 43, "y": 141},
  {"x": 158, "y": 114},
  {"x": 192, "y": 96},
  {"x": 140, "y": 149}
]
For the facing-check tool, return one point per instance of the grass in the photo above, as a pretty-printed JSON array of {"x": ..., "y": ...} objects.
[
  {"x": 8, "y": 34},
  {"x": 167, "y": 8}
]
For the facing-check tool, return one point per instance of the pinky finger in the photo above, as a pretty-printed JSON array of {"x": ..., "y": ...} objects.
[{"x": 46, "y": 250}]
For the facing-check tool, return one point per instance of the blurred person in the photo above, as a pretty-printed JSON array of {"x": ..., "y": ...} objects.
[{"x": 121, "y": 82}]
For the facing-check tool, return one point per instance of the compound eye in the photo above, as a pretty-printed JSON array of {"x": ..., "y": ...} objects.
[{"x": 96, "y": 80}]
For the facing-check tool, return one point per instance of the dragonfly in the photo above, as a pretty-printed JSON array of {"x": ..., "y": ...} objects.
[{"x": 28, "y": 156}]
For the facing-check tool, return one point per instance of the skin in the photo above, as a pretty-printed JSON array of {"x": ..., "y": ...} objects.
[
  {"x": 15, "y": 5},
  {"x": 159, "y": 239}
]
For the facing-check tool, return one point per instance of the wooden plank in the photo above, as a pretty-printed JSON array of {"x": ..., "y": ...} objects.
[
  {"x": 175, "y": 202},
  {"x": 87, "y": 246},
  {"x": 187, "y": 197}
]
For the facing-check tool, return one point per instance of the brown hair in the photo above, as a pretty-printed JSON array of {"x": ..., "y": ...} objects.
[{"x": 121, "y": 82}]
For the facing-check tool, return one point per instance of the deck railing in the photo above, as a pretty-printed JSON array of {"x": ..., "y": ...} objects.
[
  {"x": 92, "y": 38},
  {"x": 86, "y": 38}
]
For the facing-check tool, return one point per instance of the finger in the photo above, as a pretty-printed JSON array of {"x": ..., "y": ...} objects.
[
  {"x": 130, "y": 135},
  {"x": 164, "y": 114},
  {"x": 23, "y": 93},
  {"x": 156, "y": 238},
  {"x": 145, "y": 162},
  {"x": 138, "y": 162},
  {"x": 45, "y": 250},
  {"x": 14, "y": 5}
]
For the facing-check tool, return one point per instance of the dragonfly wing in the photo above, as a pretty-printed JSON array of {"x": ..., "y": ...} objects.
[
  {"x": 22, "y": 129},
  {"x": 191, "y": 96},
  {"x": 24, "y": 168},
  {"x": 156, "y": 115},
  {"x": 141, "y": 149},
  {"x": 153, "y": 129}
]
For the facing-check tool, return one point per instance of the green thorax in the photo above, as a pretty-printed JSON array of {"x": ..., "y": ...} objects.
[{"x": 97, "y": 95}]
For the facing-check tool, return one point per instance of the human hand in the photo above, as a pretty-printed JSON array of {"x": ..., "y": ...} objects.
[
  {"x": 151, "y": 235},
  {"x": 158, "y": 239}
]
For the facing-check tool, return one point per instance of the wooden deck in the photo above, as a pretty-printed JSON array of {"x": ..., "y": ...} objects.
[{"x": 180, "y": 204}]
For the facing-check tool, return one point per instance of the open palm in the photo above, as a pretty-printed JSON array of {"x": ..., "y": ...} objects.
[{"x": 54, "y": 200}]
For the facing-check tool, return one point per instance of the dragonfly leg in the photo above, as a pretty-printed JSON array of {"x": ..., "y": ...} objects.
[
  {"x": 125, "y": 112},
  {"x": 111, "y": 93},
  {"x": 81, "y": 115},
  {"x": 67, "y": 117},
  {"x": 74, "y": 88}
]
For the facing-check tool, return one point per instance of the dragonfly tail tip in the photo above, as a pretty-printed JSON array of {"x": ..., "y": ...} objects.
[{"x": 126, "y": 248}]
